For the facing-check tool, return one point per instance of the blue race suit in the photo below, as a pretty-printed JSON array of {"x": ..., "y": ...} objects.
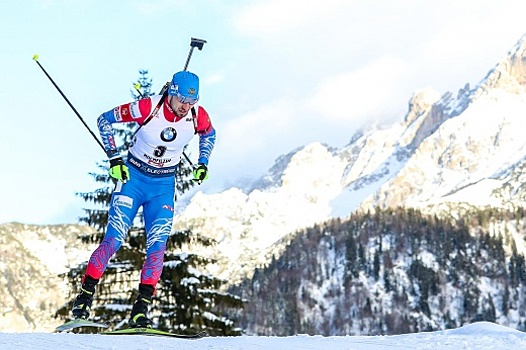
[{"x": 152, "y": 161}]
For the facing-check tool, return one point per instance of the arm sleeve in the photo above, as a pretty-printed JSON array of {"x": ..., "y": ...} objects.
[
  {"x": 204, "y": 125},
  {"x": 136, "y": 111},
  {"x": 207, "y": 135},
  {"x": 206, "y": 145},
  {"x": 107, "y": 134}
]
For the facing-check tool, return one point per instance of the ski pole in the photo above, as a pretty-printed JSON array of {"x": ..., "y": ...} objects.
[
  {"x": 35, "y": 58},
  {"x": 188, "y": 160},
  {"x": 194, "y": 42},
  {"x": 137, "y": 86}
]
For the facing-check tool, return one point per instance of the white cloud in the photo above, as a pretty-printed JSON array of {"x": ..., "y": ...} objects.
[
  {"x": 361, "y": 94},
  {"x": 155, "y": 7},
  {"x": 278, "y": 16},
  {"x": 463, "y": 36},
  {"x": 213, "y": 79},
  {"x": 248, "y": 145},
  {"x": 264, "y": 122}
]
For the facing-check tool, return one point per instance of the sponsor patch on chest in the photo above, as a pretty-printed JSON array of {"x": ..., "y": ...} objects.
[{"x": 168, "y": 134}]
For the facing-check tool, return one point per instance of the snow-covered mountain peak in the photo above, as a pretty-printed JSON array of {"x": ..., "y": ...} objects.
[
  {"x": 289, "y": 171},
  {"x": 464, "y": 151},
  {"x": 420, "y": 103},
  {"x": 449, "y": 150},
  {"x": 313, "y": 172},
  {"x": 296, "y": 194},
  {"x": 510, "y": 73}
]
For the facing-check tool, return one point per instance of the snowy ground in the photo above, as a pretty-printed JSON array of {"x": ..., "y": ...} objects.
[{"x": 477, "y": 336}]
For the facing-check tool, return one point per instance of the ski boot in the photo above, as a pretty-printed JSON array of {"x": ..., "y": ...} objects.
[
  {"x": 82, "y": 304},
  {"x": 139, "y": 318}
]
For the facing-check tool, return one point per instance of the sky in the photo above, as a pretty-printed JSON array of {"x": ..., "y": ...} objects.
[
  {"x": 275, "y": 75},
  {"x": 480, "y": 336}
]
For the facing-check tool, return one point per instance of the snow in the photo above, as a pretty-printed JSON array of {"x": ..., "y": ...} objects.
[{"x": 479, "y": 336}]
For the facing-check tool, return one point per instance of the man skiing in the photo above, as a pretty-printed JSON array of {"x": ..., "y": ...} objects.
[{"x": 146, "y": 179}]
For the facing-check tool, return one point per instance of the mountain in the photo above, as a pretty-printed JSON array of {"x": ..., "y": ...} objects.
[
  {"x": 389, "y": 272},
  {"x": 450, "y": 153},
  {"x": 31, "y": 259},
  {"x": 468, "y": 149},
  {"x": 295, "y": 193}
]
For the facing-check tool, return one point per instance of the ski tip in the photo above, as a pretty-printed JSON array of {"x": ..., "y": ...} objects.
[
  {"x": 35, "y": 57},
  {"x": 77, "y": 323}
]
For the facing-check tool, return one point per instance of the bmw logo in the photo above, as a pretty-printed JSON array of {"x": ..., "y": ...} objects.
[{"x": 169, "y": 134}]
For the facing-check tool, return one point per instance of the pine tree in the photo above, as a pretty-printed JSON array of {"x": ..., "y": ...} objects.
[
  {"x": 376, "y": 264},
  {"x": 186, "y": 300}
]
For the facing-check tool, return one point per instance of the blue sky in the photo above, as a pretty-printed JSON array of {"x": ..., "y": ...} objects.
[{"x": 275, "y": 75}]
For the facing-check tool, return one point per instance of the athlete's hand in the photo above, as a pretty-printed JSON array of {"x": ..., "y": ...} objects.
[
  {"x": 118, "y": 170},
  {"x": 200, "y": 173}
]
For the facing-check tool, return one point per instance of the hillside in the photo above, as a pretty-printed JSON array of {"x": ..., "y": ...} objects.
[
  {"x": 31, "y": 259},
  {"x": 391, "y": 272}
]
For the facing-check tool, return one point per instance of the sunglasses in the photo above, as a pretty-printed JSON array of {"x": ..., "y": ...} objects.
[{"x": 185, "y": 99}]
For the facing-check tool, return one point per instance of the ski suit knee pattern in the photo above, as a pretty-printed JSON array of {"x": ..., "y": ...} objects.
[{"x": 156, "y": 196}]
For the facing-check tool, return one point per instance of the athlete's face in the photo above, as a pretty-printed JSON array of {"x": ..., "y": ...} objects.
[{"x": 180, "y": 109}]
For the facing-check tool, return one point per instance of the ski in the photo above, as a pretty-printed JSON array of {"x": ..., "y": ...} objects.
[
  {"x": 154, "y": 332},
  {"x": 79, "y": 322}
]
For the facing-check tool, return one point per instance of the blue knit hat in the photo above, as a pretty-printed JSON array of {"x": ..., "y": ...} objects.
[{"x": 185, "y": 84}]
